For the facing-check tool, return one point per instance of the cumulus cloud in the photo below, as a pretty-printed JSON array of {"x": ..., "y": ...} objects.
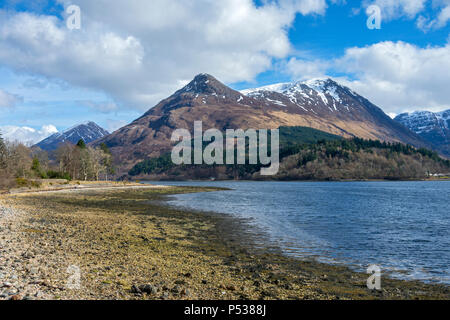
[
  {"x": 301, "y": 69},
  {"x": 140, "y": 51},
  {"x": 27, "y": 135},
  {"x": 399, "y": 76},
  {"x": 414, "y": 9},
  {"x": 103, "y": 106},
  {"x": 393, "y": 9},
  {"x": 8, "y": 100},
  {"x": 440, "y": 21}
]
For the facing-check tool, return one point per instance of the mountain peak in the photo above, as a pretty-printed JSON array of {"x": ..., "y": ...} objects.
[
  {"x": 88, "y": 131},
  {"x": 326, "y": 89},
  {"x": 91, "y": 124},
  {"x": 206, "y": 84}
]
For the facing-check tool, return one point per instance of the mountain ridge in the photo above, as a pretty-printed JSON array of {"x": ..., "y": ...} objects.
[
  {"x": 433, "y": 127},
  {"x": 88, "y": 131},
  {"x": 336, "y": 110}
]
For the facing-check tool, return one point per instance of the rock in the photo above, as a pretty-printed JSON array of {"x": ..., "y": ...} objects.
[
  {"x": 16, "y": 297},
  {"x": 149, "y": 289},
  {"x": 186, "y": 292},
  {"x": 288, "y": 286},
  {"x": 176, "y": 289},
  {"x": 165, "y": 296},
  {"x": 7, "y": 285},
  {"x": 135, "y": 289},
  {"x": 34, "y": 270}
]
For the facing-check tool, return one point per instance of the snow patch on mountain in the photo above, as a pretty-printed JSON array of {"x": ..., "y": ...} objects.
[
  {"x": 305, "y": 92},
  {"x": 425, "y": 121},
  {"x": 88, "y": 132}
]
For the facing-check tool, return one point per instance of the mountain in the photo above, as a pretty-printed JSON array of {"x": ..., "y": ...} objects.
[
  {"x": 88, "y": 131},
  {"x": 334, "y": 108},
  {"x": 321, "y": 104},
  {"x": 432, "y": 127}
]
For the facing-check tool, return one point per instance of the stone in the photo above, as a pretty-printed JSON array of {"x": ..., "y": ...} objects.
[
  {"x": 135, "y": 289},
  {"x": 149, "y": 289},
  {"x": 186, "y": 292}
]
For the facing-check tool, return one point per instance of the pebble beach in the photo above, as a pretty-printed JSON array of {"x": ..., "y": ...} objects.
[{"x": 126, "y": 243}]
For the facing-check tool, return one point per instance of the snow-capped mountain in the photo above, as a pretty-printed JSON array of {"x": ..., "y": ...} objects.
[
  {"x": 321, "y": 104},
  {"x": 88, "y": 131},
  {"x": 315, "y": 95},
  {"x": 431, "y": 126}
]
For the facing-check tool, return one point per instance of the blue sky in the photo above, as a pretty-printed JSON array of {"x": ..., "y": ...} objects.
[{"x": 128, "y": 56}]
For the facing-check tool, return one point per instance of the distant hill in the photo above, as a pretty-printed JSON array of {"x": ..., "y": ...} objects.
[
  {"x": 322, "y": 104},
  {"x": 88, "y": 132},
  {"x": 432, "y": 127},
  {"x": 314, "y": 155}
]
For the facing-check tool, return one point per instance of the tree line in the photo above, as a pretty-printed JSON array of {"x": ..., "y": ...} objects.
[
  {"x": 324, "y": 159},
  {"x": 19, "y": 164}
]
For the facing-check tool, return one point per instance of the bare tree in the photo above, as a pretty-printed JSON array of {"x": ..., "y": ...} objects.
[{"x": 97, "y": 161}]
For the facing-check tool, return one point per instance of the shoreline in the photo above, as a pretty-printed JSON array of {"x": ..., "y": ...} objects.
[
  {"x": 181, "y": 254},
  {"x": 286, "y": 180}
]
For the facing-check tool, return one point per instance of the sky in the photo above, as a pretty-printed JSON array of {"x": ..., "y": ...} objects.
[{"x": 127, "y": 55}]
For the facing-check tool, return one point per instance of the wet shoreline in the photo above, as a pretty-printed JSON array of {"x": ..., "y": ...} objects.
[{"x": 127, "y": 241}]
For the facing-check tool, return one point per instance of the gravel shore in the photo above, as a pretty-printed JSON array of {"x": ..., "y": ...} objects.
[
  {"x": 19, "y": 266},
  {"x": 127, "y": 243},
  {"x": 25, "y": 267}
]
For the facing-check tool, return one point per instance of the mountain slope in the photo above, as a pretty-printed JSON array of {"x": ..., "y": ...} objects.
[
  {"x": 88, "y": 131},
  {"x": 432, "y": 127},
  {"x": 335, "y": 109},
  {"x": 344, "y": 111}
]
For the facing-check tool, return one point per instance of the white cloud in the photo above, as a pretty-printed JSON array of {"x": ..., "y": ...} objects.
[
  {"x": 8, "y": 100},
  {"x": 26, "y": 135},
  {"x": 301, "y": 69},
  {"x": 104, "y": 106},
  {"x": 113, "y": 125},
  {"x": 393, "y": 9},
  {"x": 412, "y": 9},
  {"x": 139, "y": 51},
  {"x": 396, "y": 76},
  {"x": 399, "y": 76},
  {"x": 439, "y": 21}
]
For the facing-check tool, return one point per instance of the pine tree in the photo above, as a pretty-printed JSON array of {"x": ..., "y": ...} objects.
[{"x": 81, "y": 144}]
